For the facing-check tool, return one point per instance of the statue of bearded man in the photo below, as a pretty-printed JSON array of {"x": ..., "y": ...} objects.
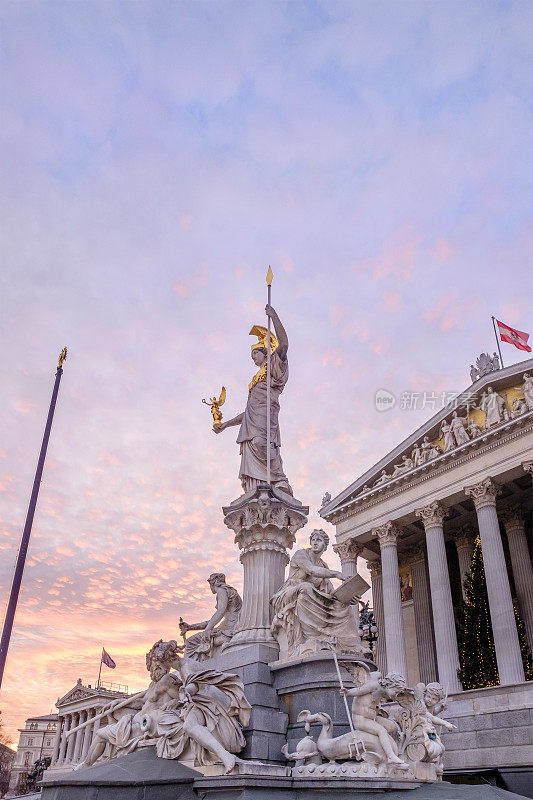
[{"x": 252, "y": 436}]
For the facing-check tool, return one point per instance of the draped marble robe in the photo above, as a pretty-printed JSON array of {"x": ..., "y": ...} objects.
[
  {"x": 308, "y": 615},
  {"x": 252, "y": 434}
]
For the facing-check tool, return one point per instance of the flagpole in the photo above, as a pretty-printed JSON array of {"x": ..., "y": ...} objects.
[
  {"x": 100, "y": 670},
  {"x": 24, "y": 543},
  {"x": 269, "y": 282},
  {"x": 497, "y": 340}
]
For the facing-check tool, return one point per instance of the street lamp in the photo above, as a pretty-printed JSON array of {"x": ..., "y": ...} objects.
[{"x": 368, "y": 630}]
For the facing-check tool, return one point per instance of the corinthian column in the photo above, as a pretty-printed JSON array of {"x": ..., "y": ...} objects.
[
  {"x": 513, "y": 519},
  {"x": 377, "y": 602},
  {"x": 443, "y": 617},
  {"x": 57, "y": 740},
  {"x": 422, "y": 606},
  {"x": 67, "y": 724},
  {"x": 506, "y": 644},
  {"x": 88, "y": 735},
  {"x": 265, "y": 525},
  {"x": 387, "y": 536},
  {"x": 71, "y": 739},
  {"x": 79, "y": 737},
  {"x": 464, "y": 546},
  {"x": 348, "y": 553}
]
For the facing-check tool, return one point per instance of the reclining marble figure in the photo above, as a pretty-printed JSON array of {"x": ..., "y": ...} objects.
[
  {"x": 184, "y": 712},
  {"x": 307, "y": 618}
]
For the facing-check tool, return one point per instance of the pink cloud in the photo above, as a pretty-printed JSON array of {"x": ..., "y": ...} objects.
[
  {"x": 335, "y": 357},
  {"x": 443, "y": 250},
  {"x": 390, "y": 302},
  {"x": 186, "y": 221},
  {"x": 397, "y": 257},
  {"x": 24, "y": 406},
  {"x": 446, "y": 313},
  {"x": 337, "y": 313}
]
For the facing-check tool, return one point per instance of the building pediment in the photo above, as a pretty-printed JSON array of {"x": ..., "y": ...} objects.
[
  {"x": 75, "y": 694},
  {"x": 434, "y": 443}
]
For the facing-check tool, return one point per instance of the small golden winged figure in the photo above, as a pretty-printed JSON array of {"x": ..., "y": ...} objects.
[
  {"x": 62, "y": 357},
  {"x": 215, "y": 404}
]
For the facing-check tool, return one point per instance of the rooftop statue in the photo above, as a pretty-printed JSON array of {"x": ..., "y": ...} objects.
[{"x": 253, "y": 420}]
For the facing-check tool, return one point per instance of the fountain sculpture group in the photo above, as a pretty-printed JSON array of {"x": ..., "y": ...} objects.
[{"x": 277, "y": 684}]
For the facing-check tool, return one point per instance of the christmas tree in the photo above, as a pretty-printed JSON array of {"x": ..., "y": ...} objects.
[
  {"x": 476, "y": 644},
  {"x": 477, "y": 656}
]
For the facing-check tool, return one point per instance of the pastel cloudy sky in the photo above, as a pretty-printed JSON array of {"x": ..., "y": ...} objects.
[{"x": 156, "y": 156}]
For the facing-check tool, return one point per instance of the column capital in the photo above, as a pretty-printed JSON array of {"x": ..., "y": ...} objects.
[
  {"x": 348, "y": 550},
  {"x": 512, "y": 518},
  {"x": 387, "y": 534},
  {"x": 374, "y": 567},
  {"x": 483, "y": 493},
  {"x": 463, "y": 537},
  {"x": 528, "y": 467},
  {"x": 412, "y": 556},
  {"x": 432, "y": 515}
]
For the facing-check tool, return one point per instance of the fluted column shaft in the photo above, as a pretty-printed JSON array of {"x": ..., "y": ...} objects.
[
  {"x": 441, "y": 594},
  {"x": 72, "y": 739},
  {"x": 392, "y": 604},
  {"x": 377, "y": 602},
  {"x": 424, "y": 629},
  {"x": 263, "y": 574},
  {"x": 67, "y": 721},
  {"x": 265, "y": 524},
  {"x": 79, "y": 737},
  {"x": 348, "y": 553},
  {"x": 522, "y": 569},
  {"x": 57, "y": 740},
  {"x": 88, "y": 735},
  {"x": 465, "y": 551},
  {"x": 506, "y": 644}
]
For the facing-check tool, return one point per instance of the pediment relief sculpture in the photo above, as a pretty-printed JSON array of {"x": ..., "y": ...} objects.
[{"x": 470, "y": 421}]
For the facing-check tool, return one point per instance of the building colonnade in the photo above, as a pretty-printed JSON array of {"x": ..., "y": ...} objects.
[
  {"x": 73, "y": 749},
  {"x": 435, "y": 621}
]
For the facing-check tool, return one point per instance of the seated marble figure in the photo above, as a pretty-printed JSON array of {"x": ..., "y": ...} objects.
[
  {"x": 307, "y": 617},
  {"x": 216, "y": 632}
]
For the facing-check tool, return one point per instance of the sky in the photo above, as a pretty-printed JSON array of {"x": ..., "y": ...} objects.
[{"x": 155, "y": 158}]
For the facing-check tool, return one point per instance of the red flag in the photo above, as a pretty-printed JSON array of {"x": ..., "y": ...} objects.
[
  {"x": 107, "y": 660},
  {"x": 512, "y": 336}
]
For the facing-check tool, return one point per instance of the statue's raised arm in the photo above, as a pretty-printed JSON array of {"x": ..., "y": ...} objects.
[
  {"x": 281, "y": 333},
  {"x": 252, "y": 436}
]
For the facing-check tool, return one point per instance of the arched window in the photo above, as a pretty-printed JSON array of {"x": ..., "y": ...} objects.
[
  {"x": 27, "y": 757},
  {"x": 29, "y": 743}
]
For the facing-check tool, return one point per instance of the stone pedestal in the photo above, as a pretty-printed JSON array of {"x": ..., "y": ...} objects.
[
  {"x": 265, "y": 734},
  {"x": 312, "y": 683},
  {"x": 265, "y": 523}
]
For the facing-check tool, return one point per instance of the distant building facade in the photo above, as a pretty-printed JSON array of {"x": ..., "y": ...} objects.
[
  {"x": 36, "y": 740},
  {"x": 414, "y": 517},
  {"x": 80, "y": 704}
]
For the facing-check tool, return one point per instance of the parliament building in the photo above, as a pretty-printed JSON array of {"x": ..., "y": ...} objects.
[{"x": 415, "y": 517}]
